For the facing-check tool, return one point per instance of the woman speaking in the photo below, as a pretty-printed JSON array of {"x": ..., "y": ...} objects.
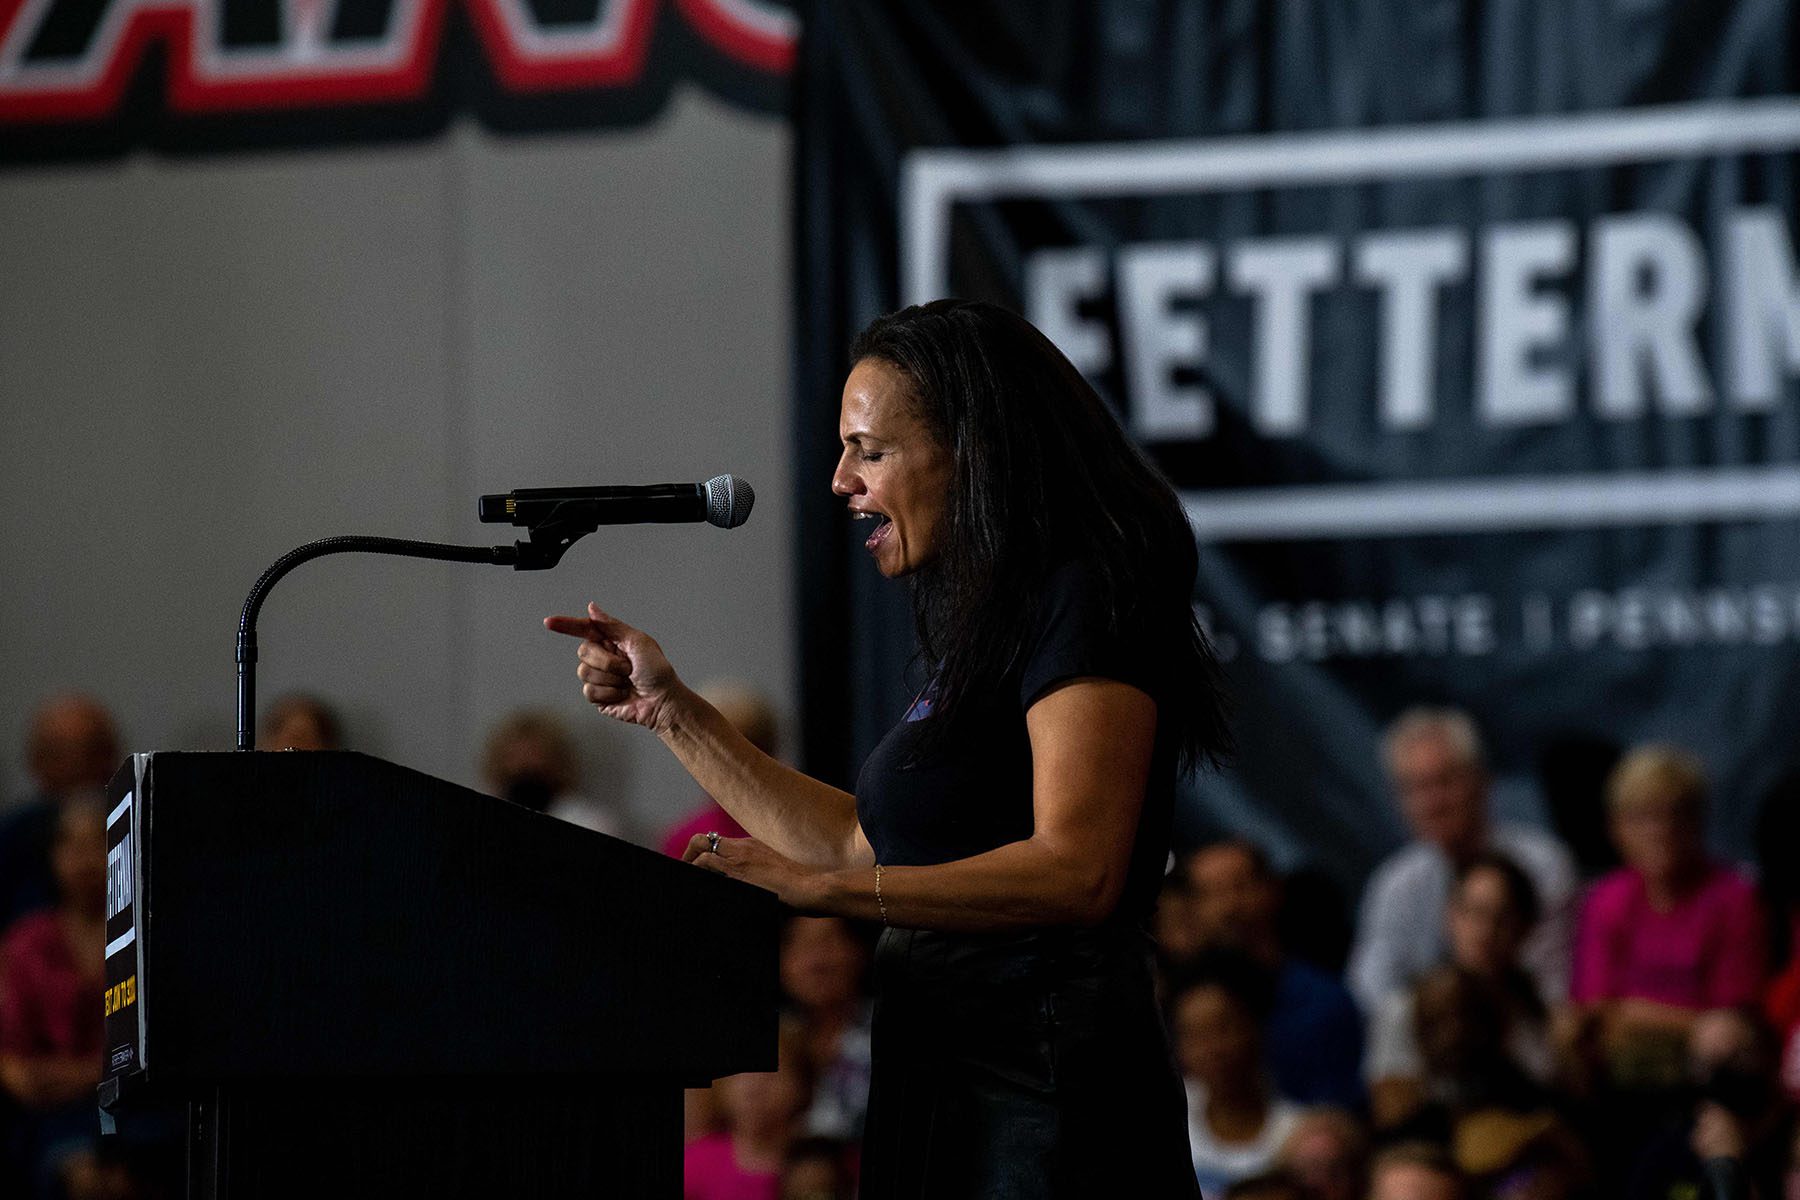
[{"x": 1010, "y": 831}]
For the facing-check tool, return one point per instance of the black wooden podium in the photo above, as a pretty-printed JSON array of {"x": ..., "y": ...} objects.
[{"x": 357, "y": 980}]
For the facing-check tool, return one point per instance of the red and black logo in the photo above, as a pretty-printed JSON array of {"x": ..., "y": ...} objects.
[{"x": 82, "y": 77}]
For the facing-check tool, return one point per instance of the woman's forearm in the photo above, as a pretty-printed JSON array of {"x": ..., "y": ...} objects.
[
  {"x": 791, "y": 812},
  {"x": 1020, "y": 885}
]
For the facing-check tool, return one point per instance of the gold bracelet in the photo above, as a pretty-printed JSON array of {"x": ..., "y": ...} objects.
[{"x": 879, "y": 902}]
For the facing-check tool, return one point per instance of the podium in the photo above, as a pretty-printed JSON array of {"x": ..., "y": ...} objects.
[{"x": 357, "y": 980}]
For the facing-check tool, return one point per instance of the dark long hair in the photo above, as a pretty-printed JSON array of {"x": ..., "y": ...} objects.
[{"x": 1043, "y": 473}]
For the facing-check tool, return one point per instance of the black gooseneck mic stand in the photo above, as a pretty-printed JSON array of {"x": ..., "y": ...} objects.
[{"x": 550, "y": 536}]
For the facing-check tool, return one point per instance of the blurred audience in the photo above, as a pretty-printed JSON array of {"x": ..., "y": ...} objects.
[
  {"x": 1505, "y": 1059},
  {"x": 1177, "y": 934},
  {"x": 72, "y": 746},
  {"x": 751, "y": 714},
  {"x": 1778, "y": 874},
  {"x": 1492, "y": 909},
  {"x": 1312, "y": 1031},
  {"x": 1465, "y": 1064},
  {"x": 530, "y": 760},
  {"x": 51, "y": 976},
  {"x": 1731, "y": 1131},
  {"x": 1237, "y": 1122},
  {"x": 1669, "y": 934},
  {"x": 1435, "y": 761},
  {"x": 1415, "y": 1171},
  {"x": 1270, "y": 1185},
  {"x": 1510, "y": 1155},
  {"x": 760, "y": 1112},
  {"x": 823, "y": 964},
  {"x": 300, "y": 722},
  {"x": 818, "y": 1168},
  {"x": 1327, "y": 1152}
]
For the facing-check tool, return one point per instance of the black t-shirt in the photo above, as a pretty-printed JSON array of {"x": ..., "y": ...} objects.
[{"x": 972, "y": 793}]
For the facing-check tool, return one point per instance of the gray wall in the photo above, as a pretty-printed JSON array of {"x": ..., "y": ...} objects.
[{"x": 205, "y": 362}]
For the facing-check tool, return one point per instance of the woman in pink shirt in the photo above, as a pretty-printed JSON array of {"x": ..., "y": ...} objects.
[
  {"x": 52, "y": 966},
  {"x": 1672, "y": 933}
]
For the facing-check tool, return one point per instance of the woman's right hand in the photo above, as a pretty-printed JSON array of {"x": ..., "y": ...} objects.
[{"x": 623, "y": 671}]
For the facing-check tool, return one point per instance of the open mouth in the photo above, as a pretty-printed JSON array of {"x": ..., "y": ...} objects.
[{"x": 883, "y": 527}]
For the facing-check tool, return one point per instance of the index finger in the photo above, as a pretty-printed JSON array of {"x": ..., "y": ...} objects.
[{"x": 580, "y": 627}]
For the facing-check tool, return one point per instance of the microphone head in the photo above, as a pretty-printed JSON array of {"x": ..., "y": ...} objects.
[{"x": 728, "y": 501}]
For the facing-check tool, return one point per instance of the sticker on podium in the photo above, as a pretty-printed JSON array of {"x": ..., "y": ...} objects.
[{"x": 122, "y": 1001}]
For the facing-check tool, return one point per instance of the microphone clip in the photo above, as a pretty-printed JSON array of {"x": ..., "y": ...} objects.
[{"x": 552, "y": 534}]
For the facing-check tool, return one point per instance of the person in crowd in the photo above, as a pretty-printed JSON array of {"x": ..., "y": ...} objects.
[
  {"x": 1416, "y": 1171},
  {"x": 1328, "y": 1152},
  {"x": 751, "y": 714},
  {"x": 824, "y": 961},
  {"x": 530, "y": 760},
  {"x": 1671, "y": 933},
  {"x": 1237, "y": 1121},
  {"x": 1492, "y": 909},
  {"x": 298, "y": 721},
  {"x": 760, "y": 1111},
  {"x": 1734, "y": 1130},
  {"x": 1458, "y": 1024},
  {"x": 72, "y": 747},
  {"x": 1313, "y": 1032},
  {"x": 823, "y": 964},
  {"x": 1012, "y": 829},
  {"x": 1435, "y": 761},
  {"x": 817, "y": 1168},
  {"x": 52, "y": 966}
]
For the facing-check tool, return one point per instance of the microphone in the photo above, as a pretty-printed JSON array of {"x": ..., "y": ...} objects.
[{"x": 723, "y": 500}]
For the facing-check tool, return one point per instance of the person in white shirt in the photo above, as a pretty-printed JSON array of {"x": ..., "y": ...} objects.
[
  {"x": 1237, "y": 1122},
  {"x": 1435, "y": 762}
]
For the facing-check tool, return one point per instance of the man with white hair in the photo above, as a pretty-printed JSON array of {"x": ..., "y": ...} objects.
[{"x": 1435, "y": 762}]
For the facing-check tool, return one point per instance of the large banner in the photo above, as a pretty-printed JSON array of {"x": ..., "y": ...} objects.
[{"x": 1470, "y": 334}]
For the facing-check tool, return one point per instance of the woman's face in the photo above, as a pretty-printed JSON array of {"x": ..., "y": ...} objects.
[
  {"x": 893, "y": 468},
  {"x": 1484, "y": 925},
  {"x": 1658, "y": 835}
]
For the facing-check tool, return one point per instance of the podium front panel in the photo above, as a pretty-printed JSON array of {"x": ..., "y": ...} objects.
[{"x": 307, "y": 915}]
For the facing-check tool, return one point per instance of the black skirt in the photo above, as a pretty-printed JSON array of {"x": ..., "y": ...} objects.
[{"x": 1021, "y": 1067}]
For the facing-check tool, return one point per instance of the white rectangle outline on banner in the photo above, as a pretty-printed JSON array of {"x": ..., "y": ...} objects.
[{"x": 933, "y": 181}]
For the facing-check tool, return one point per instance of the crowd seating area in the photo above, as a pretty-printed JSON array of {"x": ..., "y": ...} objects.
[{"x": 1498, "y": 1015}]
